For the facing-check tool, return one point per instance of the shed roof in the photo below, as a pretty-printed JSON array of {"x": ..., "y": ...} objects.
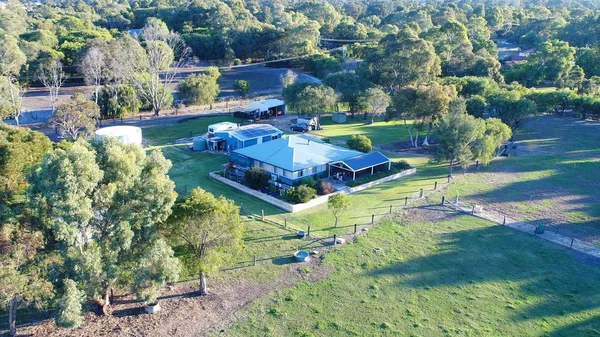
[
  {"x": 365, "y": 161},
  {"x": 254, "y": 131},
  {"x": 296, "y": 152},
  {"x": 264, "y": 105}
]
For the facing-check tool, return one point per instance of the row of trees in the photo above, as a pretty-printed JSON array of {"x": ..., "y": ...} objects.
[{"x": 83, "y": 218}]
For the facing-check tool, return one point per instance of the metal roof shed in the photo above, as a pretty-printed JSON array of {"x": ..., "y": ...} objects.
[
  {"x": 268, "y": 106},
  {"x": 363, "y": 162}
]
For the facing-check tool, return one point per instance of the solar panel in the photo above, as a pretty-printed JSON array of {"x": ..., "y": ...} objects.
[{"x": 254, "y": 131}]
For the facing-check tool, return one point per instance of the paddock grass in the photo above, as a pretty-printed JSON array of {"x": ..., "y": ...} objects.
[
  {"x": 551, "y": 177},
  {"x": 461, "y": 276}
]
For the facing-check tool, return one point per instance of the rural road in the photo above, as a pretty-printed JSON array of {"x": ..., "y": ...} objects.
[{"x": 263, "y": 81}]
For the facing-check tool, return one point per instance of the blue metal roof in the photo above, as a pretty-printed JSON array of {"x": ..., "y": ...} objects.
[
  {"x": 294, "y": 153},
  {"x": 254, "y": 131},
  {"x": 365, "y": 161}
]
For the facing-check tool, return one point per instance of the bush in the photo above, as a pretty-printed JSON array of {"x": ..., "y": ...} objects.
[
  {"x": 401, "y": 165},
  {"x": 360, "y": 143},
  {"x": 70, "y": 315},
  {"x": 257, "y": 178},
  {"x": 272, "y": 188},
  {"x": 200, "y": 88},
  {"x": 324, "y": 188},
  {"x": 308, "y": 181},
  {"x": 300, "y": 194}
]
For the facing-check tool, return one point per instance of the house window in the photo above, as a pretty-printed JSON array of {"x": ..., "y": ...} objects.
[
  {"x": 268, "y": 168},
  {"x": 279, "y": 171},
  {"x": 274, "y": 137},
  {"x": 301, "y": 173}
]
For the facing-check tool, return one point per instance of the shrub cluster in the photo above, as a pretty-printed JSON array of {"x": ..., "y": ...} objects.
[
  {"x": 257, "y": 178},
  {"x": 359, "y": 143},
  {"x": 324, "y": 188},
  {"x": 300, "y": 194}
]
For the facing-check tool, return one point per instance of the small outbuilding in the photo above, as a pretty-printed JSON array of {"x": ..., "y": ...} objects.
[
  {"x": 126, "y": 134},
  {"x": 244, "y": 136},
  {"x": 267, "y": 107}
]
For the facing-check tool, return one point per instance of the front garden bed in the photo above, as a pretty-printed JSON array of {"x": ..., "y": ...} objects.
[{"x": 294, "y": 208}]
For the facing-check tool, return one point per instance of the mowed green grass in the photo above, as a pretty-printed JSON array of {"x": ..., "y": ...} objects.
[
  {"x": 195, "y": 126},
  {"x": 462, "y": 276},
  {"x": 380, "y": 132}
]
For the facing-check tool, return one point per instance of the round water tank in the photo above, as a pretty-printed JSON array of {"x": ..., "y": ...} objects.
[
  {"x": 200, "y": 144},
  {"x": 126, "y": 134}
]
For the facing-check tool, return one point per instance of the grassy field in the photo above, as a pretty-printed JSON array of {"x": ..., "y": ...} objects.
[
  {"x": 551, "y": 177},
  {"x": 380, "y": 132},
  {"x": 457, "y": 276}
]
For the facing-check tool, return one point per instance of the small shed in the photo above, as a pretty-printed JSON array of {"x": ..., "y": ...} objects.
[
  {"x": 339, "y": 117},
  {"x": 267, "y": 107},
  {"x": 124, "y": 133}
]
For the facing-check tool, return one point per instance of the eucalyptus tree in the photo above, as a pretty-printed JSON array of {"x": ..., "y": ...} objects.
[
  {"x": 210, "y": 228},
  {"x": 100, "y": 203},
  {"x": 165, "y": 54}
]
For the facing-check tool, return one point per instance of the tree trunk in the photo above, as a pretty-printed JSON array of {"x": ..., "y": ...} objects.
[
  {"x": 426, "y": 140},
  {"x": 365, "y": 115},
  {"x": 12, "y": 316},
  {"x": 450, "y": 168},
  {"x": 106, "y": 308},
  {"x": 336, "y": 221},
  {"x": 203, "y": 287}
]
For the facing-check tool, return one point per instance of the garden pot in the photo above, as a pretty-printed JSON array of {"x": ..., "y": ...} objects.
[{"x": 152, "y": 307}]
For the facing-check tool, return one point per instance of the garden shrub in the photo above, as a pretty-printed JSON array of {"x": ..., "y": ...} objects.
[
  {"x": 324, "y": 188},
  {"x": 272, "y": 188},
  {"x": 308, "y": 181},
  {"x": 300, "y": 194},
  {"x": 257, "y": 178},
  {"x": 359, "y": 143}
]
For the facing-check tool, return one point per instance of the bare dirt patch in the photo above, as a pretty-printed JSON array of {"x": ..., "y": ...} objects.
[{"x": 184, "y": 313}]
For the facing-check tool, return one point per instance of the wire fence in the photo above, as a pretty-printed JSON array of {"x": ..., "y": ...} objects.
[{"x": 547, "y": 229}]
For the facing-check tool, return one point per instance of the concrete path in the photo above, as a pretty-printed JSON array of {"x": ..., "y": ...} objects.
[{"x": 526, "y": 227}]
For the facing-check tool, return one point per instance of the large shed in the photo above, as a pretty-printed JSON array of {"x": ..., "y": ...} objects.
[{"x": 267, "y": 107}]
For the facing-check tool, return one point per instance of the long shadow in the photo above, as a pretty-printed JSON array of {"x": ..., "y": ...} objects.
[
  {"x": 534, "y": 268},
  {"x": 589, "y": 327}
]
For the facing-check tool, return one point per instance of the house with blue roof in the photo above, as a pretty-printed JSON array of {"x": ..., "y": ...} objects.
[{"x": 292, "y": 158}]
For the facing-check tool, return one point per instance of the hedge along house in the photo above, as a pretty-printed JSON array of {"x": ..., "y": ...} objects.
[
  {"x": 229, "y": 136},
  {"x": 295, "y": 157}
]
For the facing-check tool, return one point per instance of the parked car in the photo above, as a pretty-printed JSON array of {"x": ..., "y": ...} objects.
[{"x": 300, "y": 127}]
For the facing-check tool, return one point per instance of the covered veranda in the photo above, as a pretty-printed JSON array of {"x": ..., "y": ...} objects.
[{"x": 356, "y": 167}]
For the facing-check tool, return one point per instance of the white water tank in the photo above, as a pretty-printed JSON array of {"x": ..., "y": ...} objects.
[{"x": 126, "y": 134}]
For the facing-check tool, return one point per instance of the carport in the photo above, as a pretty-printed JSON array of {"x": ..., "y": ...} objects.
[{"x": 356, "y": 166}]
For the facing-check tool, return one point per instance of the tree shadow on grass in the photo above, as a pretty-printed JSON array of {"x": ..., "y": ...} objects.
[{"x": 530, "y": 267}]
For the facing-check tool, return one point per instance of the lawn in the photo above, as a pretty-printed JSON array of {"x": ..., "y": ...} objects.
[
  {"x": 380, "y": 132},
  {"x": 458, "y": 276}
]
